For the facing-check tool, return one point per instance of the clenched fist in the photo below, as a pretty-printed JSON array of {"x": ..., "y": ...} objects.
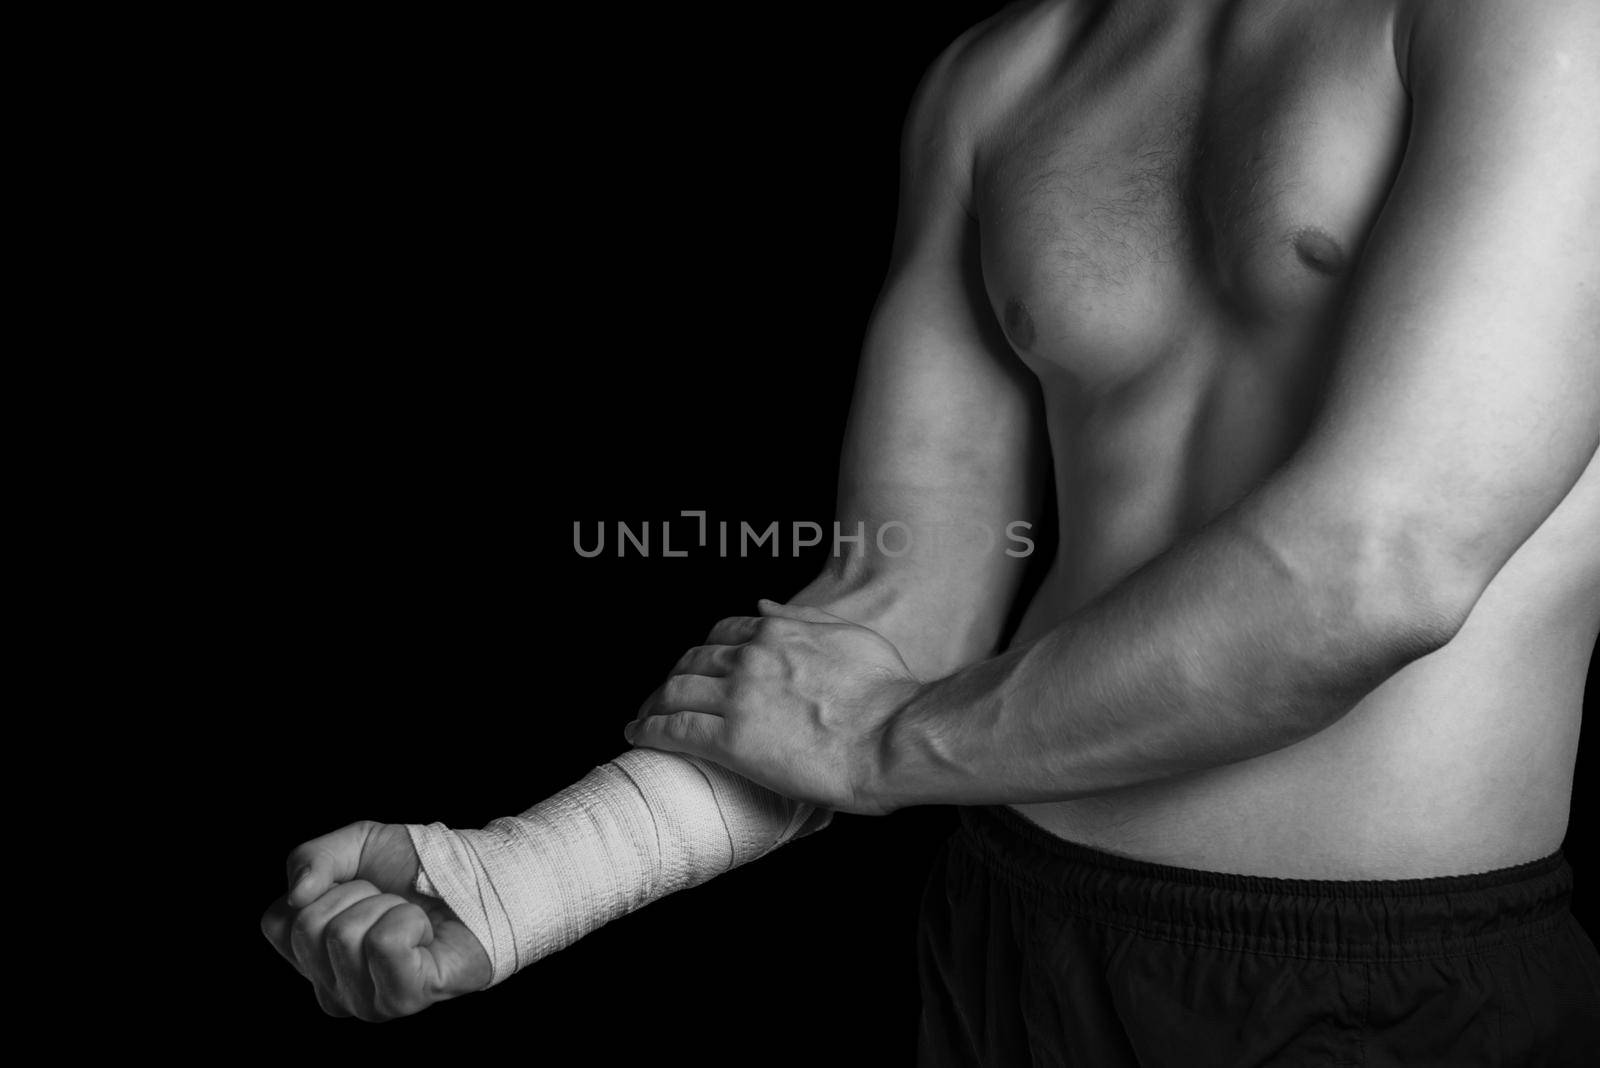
[{"x": 352, "y": 923}]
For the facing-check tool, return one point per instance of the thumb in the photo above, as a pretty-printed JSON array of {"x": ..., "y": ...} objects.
[
  {"x": 316, "y": 865},
  {"x": 803, "y": 612}
]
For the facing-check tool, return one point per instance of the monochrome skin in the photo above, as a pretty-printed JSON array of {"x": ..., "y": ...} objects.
[{"x": 1300, "y": 304}]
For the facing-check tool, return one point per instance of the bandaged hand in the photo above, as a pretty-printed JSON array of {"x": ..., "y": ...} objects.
[
  {"x": 354, "y": 924},
  {"x": 795, "y": 699},
  {"x": 386, "y": 919}
]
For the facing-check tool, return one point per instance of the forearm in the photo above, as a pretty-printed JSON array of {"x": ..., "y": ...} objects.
[
  {"x": 633, "y": 830},
  {"x": 943, "y": 603},
  {"x": 1251, "y": 636}
]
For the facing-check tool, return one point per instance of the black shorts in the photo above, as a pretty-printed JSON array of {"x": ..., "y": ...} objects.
[{"x": 1036, "y": 951}]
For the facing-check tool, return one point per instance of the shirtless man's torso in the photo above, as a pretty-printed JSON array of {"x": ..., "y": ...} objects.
[{"x": 1171, "y": 198}]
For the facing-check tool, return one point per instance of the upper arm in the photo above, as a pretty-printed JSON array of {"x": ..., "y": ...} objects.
[
  {"x": 945, "y": 433},
  {"x": 942, "y": 405},
  {"x": 1464, "y": 400}
]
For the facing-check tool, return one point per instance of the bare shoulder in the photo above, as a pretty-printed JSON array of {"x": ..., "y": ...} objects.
[
  {"x": 1507, "y": 88},
  {"x": 1502, "y": 40},
  {"x": 974, "y": 79}
]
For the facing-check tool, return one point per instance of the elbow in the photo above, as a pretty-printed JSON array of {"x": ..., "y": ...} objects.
[
  {"x": 1363, "y": 592},
  {"x": 1407, "y": 594},
  {"x": 1358, "y": 595}
]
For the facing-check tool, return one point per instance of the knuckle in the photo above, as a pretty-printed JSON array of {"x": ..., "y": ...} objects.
[
  {"x": 342, "y": 935},
  {"x": 376, "y": 943},
  {"x": 740, "y": 692},
  {"x": 304, "y": 925},
  {"x": 384, "y": 943},
  {"x": 354, "y": 891}
]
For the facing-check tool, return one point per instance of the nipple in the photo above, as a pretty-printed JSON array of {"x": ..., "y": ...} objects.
[
  {"x": 1318, "y": 250},
  {"x": 1019, "y": 324}
]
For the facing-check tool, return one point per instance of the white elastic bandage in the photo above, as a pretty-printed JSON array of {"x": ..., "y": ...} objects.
[{"x": 631, "y": 831}]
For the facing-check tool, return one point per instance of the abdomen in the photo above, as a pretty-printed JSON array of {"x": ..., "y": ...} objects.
[{"x": 1461, "y": 762}]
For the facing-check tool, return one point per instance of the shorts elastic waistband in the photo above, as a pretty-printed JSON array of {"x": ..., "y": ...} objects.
[{"x": 1336, "y": 919}]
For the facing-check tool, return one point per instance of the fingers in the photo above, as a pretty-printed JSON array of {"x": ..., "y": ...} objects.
[
  {"x": 695, "y": 733},
  {"x": 741, "y": 630},
  {"x": 306, "y": 933},
  {"x": 461, "y": 964},
  {"x": 275, "y": 924},
  {"x": 404, "y": 975},
  {"x": 684, "y": 712},
  {"x": 801, "y": 612},
  {"x": 715, "y": 661},
  {"x": 734, "y": 631},
  {"x": 316, "y": 865},
  {"x": 376, "y": 956},
  {"x": 775, "y": 618},
  {"x": 346, "y": 942},
  {"x": 370, "y": 954},
  {"x": 687, "y": 693}
]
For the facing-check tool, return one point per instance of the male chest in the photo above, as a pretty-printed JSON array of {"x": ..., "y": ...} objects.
[{"x": 1179, "y": 188}]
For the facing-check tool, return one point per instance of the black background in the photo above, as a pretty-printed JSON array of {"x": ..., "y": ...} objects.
[{"x": 504, "y": 278}]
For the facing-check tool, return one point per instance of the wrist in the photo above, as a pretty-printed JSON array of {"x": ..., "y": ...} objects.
[
  {"x": 945, "y": 744},
  {"x": 900, "y": 753}
]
